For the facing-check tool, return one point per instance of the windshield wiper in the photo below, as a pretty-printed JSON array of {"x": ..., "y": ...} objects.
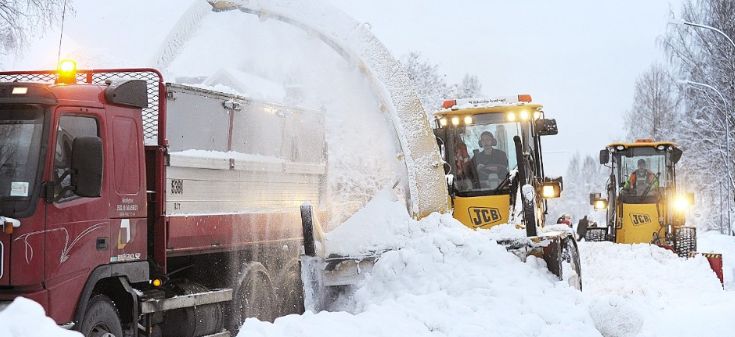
[{"x": 505, "y": 181}]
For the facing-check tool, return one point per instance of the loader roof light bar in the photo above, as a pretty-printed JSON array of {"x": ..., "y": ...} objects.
[
  {"x": 66, "y": 72},
  {"x": 455, "y": 104}
]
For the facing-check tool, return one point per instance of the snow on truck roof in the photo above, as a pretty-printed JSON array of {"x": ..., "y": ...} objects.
[{"x": 501, "y": 104}]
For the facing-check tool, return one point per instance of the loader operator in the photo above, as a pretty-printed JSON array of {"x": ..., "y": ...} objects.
[
  {"x": 490, "y": 160},
  {"x": 635, "y": 184}
]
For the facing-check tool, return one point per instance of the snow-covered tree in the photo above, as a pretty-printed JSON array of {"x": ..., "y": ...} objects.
[
  {"x": 469, "y": 87},
  {"x": 584, "y": 176},
  {"x": 19, "y": 19},
  {"x": 705, "y": 56},
  {"x": 431, "y": 85},
  {"x": 655, "y": 109}
]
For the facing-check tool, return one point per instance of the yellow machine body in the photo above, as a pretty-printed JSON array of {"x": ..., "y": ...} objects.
[
  {"x": 483, "y": 211},
  {"x": 638, "y": 223}
]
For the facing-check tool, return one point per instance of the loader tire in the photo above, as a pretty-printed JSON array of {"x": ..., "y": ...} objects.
[
  {"x": 571, "y": 266},
  {"x": 254, "y": 296},
  {"x": 101, "y": 319}
]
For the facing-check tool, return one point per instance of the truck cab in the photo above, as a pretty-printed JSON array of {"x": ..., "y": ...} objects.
[
  {"x": 72, "y": 188},
  {"x": 129, "y": 205}
]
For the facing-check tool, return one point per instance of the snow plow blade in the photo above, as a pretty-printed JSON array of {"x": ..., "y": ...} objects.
[{"x": 558, "y": 249}]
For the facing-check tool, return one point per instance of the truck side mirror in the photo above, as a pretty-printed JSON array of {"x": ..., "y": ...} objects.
[
  {"x": 546, "y": 127},
  {"x": 86, "y": 166},
  {"x": 604, "y": 157}
]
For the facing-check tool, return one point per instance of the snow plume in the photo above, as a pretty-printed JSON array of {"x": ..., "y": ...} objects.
[
  {"x": 446, "y": 280},
  {"x": 26, "y": 318}
]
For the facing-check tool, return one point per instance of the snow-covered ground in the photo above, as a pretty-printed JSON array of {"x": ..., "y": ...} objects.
[
  {"x": 447, "y": 280},
  {"x": 26, "y": 318}
]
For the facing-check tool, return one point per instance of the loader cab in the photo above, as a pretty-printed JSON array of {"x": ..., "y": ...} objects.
[
  {"x": 485, "y": 143},
  {"x": 643, "y": 204},
  {"x": 643, "y": 171}
]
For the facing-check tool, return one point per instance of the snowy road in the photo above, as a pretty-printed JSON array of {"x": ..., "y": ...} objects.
[{"x": 642, "y": 290}]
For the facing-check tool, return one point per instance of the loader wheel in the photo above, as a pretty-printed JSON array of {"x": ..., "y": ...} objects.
[
  {"x": 101, "y": 319},
  {"x": 571, "y": 266},
  {"x": 254, "y": 296},
  {"x": 290, "y": 289}
]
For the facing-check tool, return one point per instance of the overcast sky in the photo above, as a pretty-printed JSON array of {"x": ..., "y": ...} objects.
[{"x": 579, "y": 58}]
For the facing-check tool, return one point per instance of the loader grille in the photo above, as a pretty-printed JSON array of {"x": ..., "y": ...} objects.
[
  {"x": 153, "y": 80},
  {"x": 685, "y": 241},
  {"x": 596, "y": 234}
]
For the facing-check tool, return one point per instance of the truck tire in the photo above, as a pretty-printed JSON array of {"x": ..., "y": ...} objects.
[
  {"x": 254, "y": 296},
  {"x": 290, "y": 289},
  {"x": 101, "y": 319}
]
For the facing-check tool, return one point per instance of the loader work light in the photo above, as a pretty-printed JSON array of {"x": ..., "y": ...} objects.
[
  {"x": 551, "y": 189},
  {"x": 682, "y": 202},
  {"x": 511, "y": 117},
  {"x": 600, "y": 204},
  {"x": 467, "y": 120},
  {"x": 66, "y": 72},
  {"x": 455, "y": 120},
  {"x": 524, "y": 115}
]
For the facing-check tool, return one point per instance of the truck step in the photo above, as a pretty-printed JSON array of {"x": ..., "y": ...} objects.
[{"x": 185, "y": 301}]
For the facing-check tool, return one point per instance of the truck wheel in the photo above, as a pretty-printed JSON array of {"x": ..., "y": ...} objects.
[
  {"x": 254, "y": 296},
  {"x": 290, "y": 289},
  {"x": 101, "y": 319}
]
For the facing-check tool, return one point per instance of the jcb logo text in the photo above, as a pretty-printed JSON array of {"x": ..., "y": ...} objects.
[
  {"x": 640, "y": 219},
  {"x": 483, "y": 216}
]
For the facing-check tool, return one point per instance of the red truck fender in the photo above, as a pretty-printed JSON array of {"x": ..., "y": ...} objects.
[{"x": 114, "y": 281}]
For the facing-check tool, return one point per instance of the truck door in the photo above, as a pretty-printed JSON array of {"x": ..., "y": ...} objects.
[{"x": 77, "y": 228}]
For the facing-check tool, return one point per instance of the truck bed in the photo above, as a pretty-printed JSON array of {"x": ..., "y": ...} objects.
[{"x": 217, "y": 195}]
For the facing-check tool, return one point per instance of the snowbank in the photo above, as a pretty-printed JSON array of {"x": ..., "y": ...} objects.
[
  {"x": 644, "y": 290},
  {"x": 446, "y": 280},
  {"x": 382, "y": 224},
  {"x": 26, "y": 318}
]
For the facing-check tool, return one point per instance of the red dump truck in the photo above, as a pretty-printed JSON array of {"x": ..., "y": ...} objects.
[{"x": 134, "y": 207}]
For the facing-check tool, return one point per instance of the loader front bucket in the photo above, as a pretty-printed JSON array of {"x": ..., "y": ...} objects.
[{"x": 558, "y": 249}]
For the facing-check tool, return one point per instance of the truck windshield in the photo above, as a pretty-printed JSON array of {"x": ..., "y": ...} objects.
[
  {"x": 482, "y": 154},
  {"x": 20, "y": 143}
]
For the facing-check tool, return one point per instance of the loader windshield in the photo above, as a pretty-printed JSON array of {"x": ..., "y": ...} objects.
[
  {"x": 482, "y": 154},
  {"x": 20, "y": 143},
  {"x": 643, "y": 174}
]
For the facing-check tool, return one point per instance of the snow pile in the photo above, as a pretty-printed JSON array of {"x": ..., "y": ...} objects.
[
  {"x": 446, "y": 280},
  {"x": 714, "y": 242},
  {"x": 382, "y": 224},
  {"x": 26, "y": 318},
  {"x": 644, "y": 290}
]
